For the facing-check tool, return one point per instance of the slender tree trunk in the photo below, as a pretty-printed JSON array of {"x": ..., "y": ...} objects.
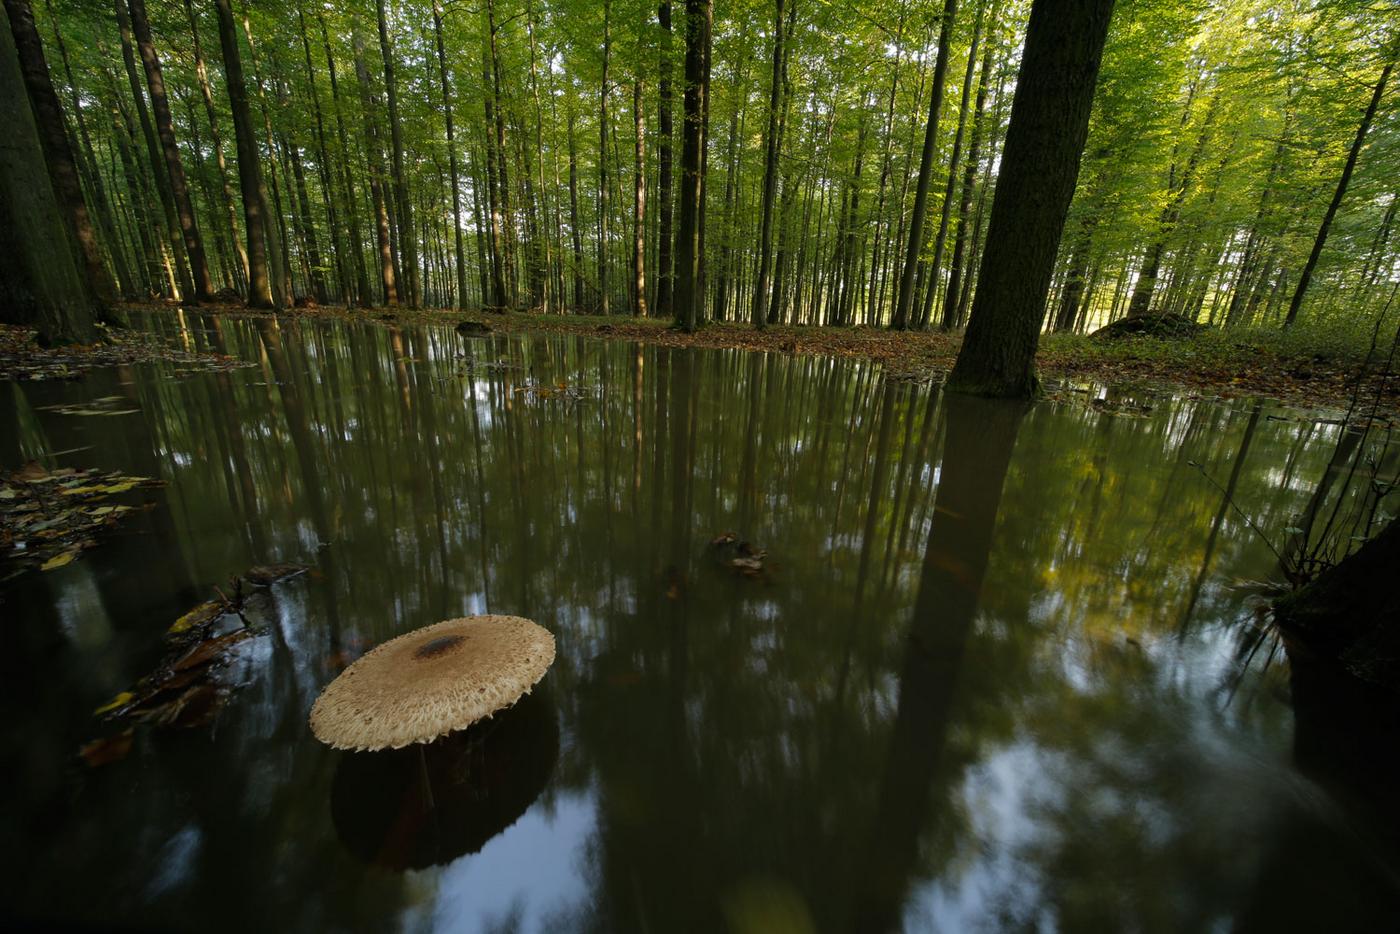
[
  {"x": 324, "y": 170},
  {"x": 225, "y": 187},
  {"x": 165, "y": 131},
  {"x": 408, "y": 241},
  {"x": 454, "y": 181},
  {"x": 905, "y": 297},
  {"x": 771, "y": 144},
  {"x": 574, "y": 228},
  {"x": 1305, "y": 277},
  {"x": 249, "y": 162},
  {"x": 387, "y": 274},
  {"x": 352, "y": 213},
  {"x": 941, "y": 240},
  {"x": 1039, "y": 167},
  {"x": 689, "y": 296},
  {"x": 952, "y": 301},
  {"x": 664, "y": 137},
  {"x": 603, "y": 163},
  {"x": 639, "y": 203}
]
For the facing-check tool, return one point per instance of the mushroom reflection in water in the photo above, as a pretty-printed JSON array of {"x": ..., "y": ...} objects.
[{"x": 412, "y": 808}]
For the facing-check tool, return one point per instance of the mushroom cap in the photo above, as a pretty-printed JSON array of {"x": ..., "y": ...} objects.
[{"x": 429, "y": 682}]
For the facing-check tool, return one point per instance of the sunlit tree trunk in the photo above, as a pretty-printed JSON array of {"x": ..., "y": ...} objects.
[
  {"x": 408, "y": 242},
  {"x": 165, "y": 131}
]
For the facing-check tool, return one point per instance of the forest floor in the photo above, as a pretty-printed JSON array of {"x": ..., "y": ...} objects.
[{"x": 1304, "y": 368}]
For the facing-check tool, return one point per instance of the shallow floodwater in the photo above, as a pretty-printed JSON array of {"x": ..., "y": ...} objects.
[{"x": 999, "y": 668}]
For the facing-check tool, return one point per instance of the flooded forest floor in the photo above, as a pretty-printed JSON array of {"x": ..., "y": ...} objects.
[{"x": 1305, "y": 368}]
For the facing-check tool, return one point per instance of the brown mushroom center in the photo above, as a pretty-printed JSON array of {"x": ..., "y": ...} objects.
[{"x": 439, "y": 646}]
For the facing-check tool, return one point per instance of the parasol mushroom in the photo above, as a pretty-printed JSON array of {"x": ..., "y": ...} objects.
[{"x": 432, "y": 681}]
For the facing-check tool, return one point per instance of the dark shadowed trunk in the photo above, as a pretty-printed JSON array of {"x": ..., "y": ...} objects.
[
  {"x": 40, "y": 284},
  {"x": 1039, "y": 167},
  {"x": 249, "y": 162},
  {"x": 58, "y": 155}
]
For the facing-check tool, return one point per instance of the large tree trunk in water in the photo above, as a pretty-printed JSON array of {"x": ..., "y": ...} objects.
[
  {"x": 249, "y": 162},
  {"x": 1039, "y": 167},
  {"x": 165, "y": 130},
  {"x": 40, "y": 284},
  {"x": 699, "y": 20},
  {"x": 67, "y": 188},
  {"x": 770, "y": 173},
  {"x": 408, "y": 243},
  {"x": 904, "y": 300},
  {"x": 1306, "y": 276},
  {"x": 664, "y": 136}
]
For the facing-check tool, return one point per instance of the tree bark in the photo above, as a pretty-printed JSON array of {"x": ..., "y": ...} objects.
[
  {"x": 460, "y": 251},
  {"x": 1039, "y": 167}
]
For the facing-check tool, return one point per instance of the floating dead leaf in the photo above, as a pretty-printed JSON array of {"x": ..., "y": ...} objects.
[
  {"x": 107, "y": 750},
  {"x": 59, "y": 560},
  {"x": 206, "y": 612},
  {"x": 210, "y": 649},
  {"x": 121, "y": 700},
  {"x": 723, "y": 539}
]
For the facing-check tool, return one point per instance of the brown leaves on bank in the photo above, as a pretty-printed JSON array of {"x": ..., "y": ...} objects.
[
  {"x": 183, "y": 690},
  {"x": 48, "y": 518}
]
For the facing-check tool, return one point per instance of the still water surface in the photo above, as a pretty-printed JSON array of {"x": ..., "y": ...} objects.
[{"x": 989, "y": 677}]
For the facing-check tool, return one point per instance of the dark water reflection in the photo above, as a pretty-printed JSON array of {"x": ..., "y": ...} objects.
[{"x": 988, "y": 682}]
